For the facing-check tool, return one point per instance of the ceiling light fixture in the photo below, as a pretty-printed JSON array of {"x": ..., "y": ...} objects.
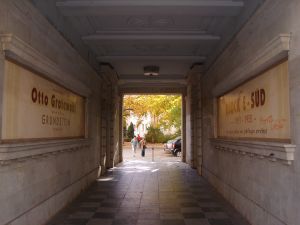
[{"x": 151, "y": 70}]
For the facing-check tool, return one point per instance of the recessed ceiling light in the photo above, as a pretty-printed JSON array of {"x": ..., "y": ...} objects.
[{"x": 151, "y": 70}]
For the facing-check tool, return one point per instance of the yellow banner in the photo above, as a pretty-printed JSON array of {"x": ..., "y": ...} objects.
[
  {"x": 36, "y": 108},
  {"x": 258, "y": 109}
]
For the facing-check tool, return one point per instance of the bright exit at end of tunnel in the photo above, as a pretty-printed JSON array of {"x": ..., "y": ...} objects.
[{"x": 152, "y": 126}]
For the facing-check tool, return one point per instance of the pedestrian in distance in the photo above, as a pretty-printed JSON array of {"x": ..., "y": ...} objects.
[
  {"x": 134, "y": 143},
  {"x": 143, "y": 145},
  {"x": 139, "y": 138}
]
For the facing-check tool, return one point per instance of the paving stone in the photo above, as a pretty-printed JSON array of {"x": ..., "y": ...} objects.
[
  {"x": 77, "y": 221},
  {"x": 170, "y": 216},
  {"x": 148, "y": 222},
  {"x": 100, "y": 222},
  {"x": 142, "y": 192},
  {"x": 190, "y": 209},
  {"x": 196, "y": 222},
  {"x": 104, "y": 215},
  {"x": 216, "y": 215},
  {"x": 211, "y": 209},
  {"x": 193, "y": 215},
  {"x": 172, "y": 222},
  {"x": 124, "y": 222},
  {"x": 220, "y": 222},
  {"x": 81, "y": 215},
  {"x": 189, "y": 204}
]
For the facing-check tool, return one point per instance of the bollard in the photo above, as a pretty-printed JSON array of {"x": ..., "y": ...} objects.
[{"x": 152, "y": 154}]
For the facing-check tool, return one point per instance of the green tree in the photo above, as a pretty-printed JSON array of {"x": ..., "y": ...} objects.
[
  {"x": 154, "y": 135},
  {"x": 165, "y": 110},
  {"x": 130, "y": 131}
]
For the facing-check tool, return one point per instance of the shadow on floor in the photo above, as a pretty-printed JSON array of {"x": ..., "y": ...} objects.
[{"x": 141, "y": 192}]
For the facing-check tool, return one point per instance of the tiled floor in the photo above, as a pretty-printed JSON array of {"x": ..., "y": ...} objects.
[{"x": 142, "y": 192}]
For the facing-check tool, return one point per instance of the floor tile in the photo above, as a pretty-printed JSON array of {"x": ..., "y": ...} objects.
[
  {"x": 148, "y": 222},
  {"x": 196, "y": 222},
  {"x": 191, "y": 210},
  {"x": 171, "y": 216},
  {"x": 142, "y": 192},
  {"x": 172, "y": 222},
  {"x": 76, "y": 221},
  {"x": 124, "y": 222},
  {"x": 220, "y": 222},
  {"x": 189, "y": 204},
  {"x": 81, "y": 215},
  {"x": 212, "y": 209},
  {"x": 104, "y": 215},
  {"x": 100, "y": 222},
  {"x": 193, "y": 215},
  {"x": 216, "y": 215},
  {"x": 107, "y": 209}
]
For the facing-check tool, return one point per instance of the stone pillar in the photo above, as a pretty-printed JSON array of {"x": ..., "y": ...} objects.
[
  {"x": 193, "y": 125},
  {"x": 198, "y": 123},
  {"x": 121, "y": 132},
  {"x": 110, "y": 119},
  {"x": 183, "y": 119},
  {"x": 109, "y": 130},
  {"x": 194, "y": 118},
  {"x": 115, "y": 131},
  {"x": 103, "y": 130},
  {"x": 188, "y": 128}
]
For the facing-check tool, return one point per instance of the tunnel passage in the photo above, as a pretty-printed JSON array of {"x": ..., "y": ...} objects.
[
  {"x": 222, "y": 56},
  {"x": 143, "y": 192}
]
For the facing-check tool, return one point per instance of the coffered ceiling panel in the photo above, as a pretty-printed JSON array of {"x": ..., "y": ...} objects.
[{"x": 171, "y": 34}]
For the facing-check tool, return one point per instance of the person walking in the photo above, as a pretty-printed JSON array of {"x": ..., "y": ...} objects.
[
  {"x": 134, "y": 143},
  {"x": 139, "y": 138},
  {"x": 143, "y": 145}
]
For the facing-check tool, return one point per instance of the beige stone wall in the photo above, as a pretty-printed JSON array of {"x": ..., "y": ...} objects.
[
  {"x": 264, "y": 191},
  {"x": 33, "y": 189},
  {"x": 193, "y": 121},
  {"x": 188, "y": 129}
]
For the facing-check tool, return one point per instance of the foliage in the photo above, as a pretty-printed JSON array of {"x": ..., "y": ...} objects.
[
  {"x": 154, "y": 135},
  {"x": 130, "y": 131},
  {"x": 170, "y": 137},
  {"x": 165, "y": 110}
]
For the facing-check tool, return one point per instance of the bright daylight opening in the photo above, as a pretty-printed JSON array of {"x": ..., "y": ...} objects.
[{"x": 152, "y": 127}]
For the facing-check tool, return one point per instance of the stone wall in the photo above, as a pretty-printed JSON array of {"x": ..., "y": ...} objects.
[
  {"x": 193, "y": 121},
  {"x": 34, "y": 188},
  {"x": 266, "y": 192},
  {"x": 188, "y": 129}
]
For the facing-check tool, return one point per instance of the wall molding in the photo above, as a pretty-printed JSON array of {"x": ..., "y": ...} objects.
[
  {"x": 11, "y": 153},
  {"x": 18, "y": 50},
  {"x": 274, "y": 51},
  {"x": 83, "y": 182},
  {"x": 273, "y": 151},
  {"x": 239, "y": 200}
]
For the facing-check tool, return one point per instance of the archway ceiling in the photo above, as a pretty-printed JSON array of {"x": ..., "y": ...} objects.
[{"x": 172, "y": 34}]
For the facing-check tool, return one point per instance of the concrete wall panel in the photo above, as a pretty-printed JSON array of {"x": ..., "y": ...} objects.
[
  {"x": 265, "y": 192},
  {"x": 33, "y": 189}
]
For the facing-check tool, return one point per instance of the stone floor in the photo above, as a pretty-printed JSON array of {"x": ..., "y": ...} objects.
[{"x": 142, "y": 192}]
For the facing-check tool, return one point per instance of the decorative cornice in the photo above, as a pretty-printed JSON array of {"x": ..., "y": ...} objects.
[
  {"x": 10, "y": 153},
  {"x": 20, "y": 51},
  {"x": 273, "y": 151},
  {"x": 274, "y": 51}
]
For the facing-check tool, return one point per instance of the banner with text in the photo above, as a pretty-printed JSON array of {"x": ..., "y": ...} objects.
[
  {"x": 258, "y": 109},
  {"x": 35, "y": 108}
]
